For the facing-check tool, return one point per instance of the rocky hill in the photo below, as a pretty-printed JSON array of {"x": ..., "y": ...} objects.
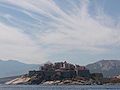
[
  {"x": 14, "y": 68},
  {"x": 109, "y": 68}
]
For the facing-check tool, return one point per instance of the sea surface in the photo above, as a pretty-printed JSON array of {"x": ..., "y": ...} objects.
[{"x": 72, "y": 87}]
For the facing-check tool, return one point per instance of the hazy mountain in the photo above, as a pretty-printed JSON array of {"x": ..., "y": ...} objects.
[
  {"x": 109, "y": 68},
  {"x": 13, "y": 68},
  {"x": 9, "y": 68}
]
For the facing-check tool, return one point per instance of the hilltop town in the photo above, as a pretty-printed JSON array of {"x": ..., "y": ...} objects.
[
  {"x": 59, "y": 71},
  {"x": 62, "y": 73}
]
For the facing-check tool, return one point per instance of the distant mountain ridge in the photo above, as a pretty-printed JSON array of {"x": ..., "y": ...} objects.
[
  {"x": 14, "y": 68},
  {"x": 109, "y": 68}
]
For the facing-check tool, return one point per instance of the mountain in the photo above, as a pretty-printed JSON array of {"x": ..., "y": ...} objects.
[
  {"x": 14, "y": 68},
  {"x": 109, "y": 68}
]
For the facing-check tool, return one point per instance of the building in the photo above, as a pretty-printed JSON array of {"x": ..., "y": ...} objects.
[
  {"x": 60, "y": 70},
  {"x": 97, "y": 76},
  {"x": 49, "y": 75},
  {"x": 35, "y": 73},
  {"x": 67, "y": 74},
  {"x": 47, "y": 67},
  {"x": 82, "y": 71},
  {"x": 58, "y": 65},
  {"x": 64, "y": 65}
]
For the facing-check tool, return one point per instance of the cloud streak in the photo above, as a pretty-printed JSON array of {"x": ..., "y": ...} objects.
[
  {"x": 17, "y": 45},
  {"x": 57, "y": 30}
]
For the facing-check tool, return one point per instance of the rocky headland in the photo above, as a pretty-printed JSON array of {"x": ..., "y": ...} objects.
[
  {"x": 63, "y": 73},
  {"x": 59, "y": 73}
]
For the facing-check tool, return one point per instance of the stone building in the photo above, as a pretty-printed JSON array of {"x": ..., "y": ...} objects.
[
  {"x": 67, "y": 74},
  {"x": 64, "y": 65},
  {"x": 82, "y": 71},
  {"x": 47, "y": 67},
  {"x": 35, "y": 73},
  {"x": 58, "y": 65},
  {"x": 97, "y": 76},
  {"x": 60, "y": 70}
]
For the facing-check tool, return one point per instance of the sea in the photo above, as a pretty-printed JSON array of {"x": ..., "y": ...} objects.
[{"x": 69, "y": 87}]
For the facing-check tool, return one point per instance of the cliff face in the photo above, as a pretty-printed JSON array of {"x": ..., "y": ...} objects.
[{"x": 109, "y": 68}]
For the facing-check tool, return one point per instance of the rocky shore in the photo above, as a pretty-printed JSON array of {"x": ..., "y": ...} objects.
[
  {"x": 24, "y": 80},
  {"x": 68, "y": 82},
  {"x": 21, "y": 80}
]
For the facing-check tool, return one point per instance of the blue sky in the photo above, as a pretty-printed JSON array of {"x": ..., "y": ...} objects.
[{"x": 78, "y": 31}]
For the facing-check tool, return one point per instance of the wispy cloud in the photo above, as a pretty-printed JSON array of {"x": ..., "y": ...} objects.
[
  {"x": 60, "y": 30},
  {"x": 17, "y": 45}
]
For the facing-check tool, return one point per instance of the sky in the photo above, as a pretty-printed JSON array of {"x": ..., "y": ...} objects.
[{"x": 77, "y": 31}]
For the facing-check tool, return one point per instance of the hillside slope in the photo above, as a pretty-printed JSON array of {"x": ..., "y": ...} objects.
[
  {"x": 14, "y": 68},
  {"x": 109, "y": 68}
]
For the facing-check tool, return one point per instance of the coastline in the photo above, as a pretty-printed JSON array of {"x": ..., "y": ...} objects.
[{"x": 26, "y": 81}]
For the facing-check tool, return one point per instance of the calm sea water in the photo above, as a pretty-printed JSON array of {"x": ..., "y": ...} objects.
[{"x": 74, "y": 87}]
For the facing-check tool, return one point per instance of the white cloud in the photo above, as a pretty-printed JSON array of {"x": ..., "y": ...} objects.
[
  {"x": 82, "y": 31},
  {"x": 73, "y": 30},
  {"x": 17, "y": 45}
]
